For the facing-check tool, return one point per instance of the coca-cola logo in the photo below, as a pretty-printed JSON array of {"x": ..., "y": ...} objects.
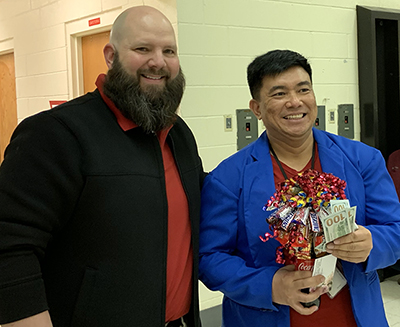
[{"x": 305, "y": 266}]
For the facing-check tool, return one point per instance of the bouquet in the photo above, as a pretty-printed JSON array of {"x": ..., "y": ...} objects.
[
  {"x": 300, "y": 206},
  {"x": 309, "y": 211}
]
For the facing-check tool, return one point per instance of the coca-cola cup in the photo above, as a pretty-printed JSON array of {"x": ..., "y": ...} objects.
[{"x": 306, "y": 265}]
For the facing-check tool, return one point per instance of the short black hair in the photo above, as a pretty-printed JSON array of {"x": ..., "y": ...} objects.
[{"x": 273, "y": 63}]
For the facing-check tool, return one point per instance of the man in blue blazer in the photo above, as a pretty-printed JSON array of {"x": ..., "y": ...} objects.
[{"x": 257, "y": 290}]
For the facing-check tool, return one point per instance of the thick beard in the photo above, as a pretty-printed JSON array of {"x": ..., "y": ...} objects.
[{"x": 152, "y": 108}]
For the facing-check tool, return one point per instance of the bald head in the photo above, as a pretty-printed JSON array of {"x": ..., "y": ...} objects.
[
  {"x": 139, "y": 18},
  {"x": 143, "y": 41}
]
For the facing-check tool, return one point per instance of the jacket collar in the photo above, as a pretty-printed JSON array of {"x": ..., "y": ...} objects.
[{"x": 330, "y": 155}]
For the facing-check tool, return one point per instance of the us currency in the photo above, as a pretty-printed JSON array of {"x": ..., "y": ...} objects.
[
  {"x": 339, "y": 223},
  {"x": 338, "y": 205}
]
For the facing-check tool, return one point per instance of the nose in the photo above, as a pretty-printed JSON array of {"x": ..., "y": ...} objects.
[
  {"x": 293, "y": 100},
  {"x": 157, "y": 60}
]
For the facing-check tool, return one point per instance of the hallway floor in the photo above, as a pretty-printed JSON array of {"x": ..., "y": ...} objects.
[{"x": 391, "y": 299}]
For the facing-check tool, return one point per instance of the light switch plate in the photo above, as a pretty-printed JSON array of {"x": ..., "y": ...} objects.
[
  {"x": 228, "y": 123},
  {"x": 331, "y": 116}
]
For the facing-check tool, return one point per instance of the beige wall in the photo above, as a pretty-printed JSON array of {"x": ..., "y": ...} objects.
[{"x": 219, "y": 38}]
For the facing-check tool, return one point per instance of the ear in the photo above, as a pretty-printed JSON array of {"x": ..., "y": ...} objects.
[
  {"x": 109, "y": 52},
  {"x": 255, "y": 108}
]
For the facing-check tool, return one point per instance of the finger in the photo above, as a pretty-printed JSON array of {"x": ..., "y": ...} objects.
[
  {"x": 317, "y": 291},
  {"x": 359, "y": 235},
  {"x": 301, "y": 274},
  {"x": 357, "y": 246},
  {"x": 349, "y": 238},
  {"x": 304, "y": 311},
  {"x": 351, "y": 256},
  {"x": 310, "y": 282},
  {"x": 350, "y": 247}
]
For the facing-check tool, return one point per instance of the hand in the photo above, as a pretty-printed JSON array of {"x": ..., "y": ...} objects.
[
  {"x": 286, "y": 288},
  {"x": 354, "y": 247},
  {"x": 39, "y": 320}
]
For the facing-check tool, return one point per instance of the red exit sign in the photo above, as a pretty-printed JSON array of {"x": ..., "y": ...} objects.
[{"x": 95, "y": 21}]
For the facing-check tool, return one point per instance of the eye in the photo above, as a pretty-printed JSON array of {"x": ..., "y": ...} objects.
[
  {"x": 169, "y": 52},
  {"x": 278, "y": 94},
  {"x": 141, "y": 49},
  {"x": 304, "y": 90}
]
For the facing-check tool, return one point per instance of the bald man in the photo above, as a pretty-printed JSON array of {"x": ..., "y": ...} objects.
[{"x": 100, "y": 197}]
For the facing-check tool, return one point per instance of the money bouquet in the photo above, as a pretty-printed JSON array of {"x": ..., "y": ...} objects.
[{"x": 308, "y": 211}]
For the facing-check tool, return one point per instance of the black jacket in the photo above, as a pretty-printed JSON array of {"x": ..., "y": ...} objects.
[{"x": 83, "y": 218}]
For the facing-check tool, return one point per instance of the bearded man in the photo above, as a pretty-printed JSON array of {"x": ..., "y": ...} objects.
[{"x": 100, "y": 197}]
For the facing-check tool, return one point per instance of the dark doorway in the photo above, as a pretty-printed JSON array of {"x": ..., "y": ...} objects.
[{"x": 379, "y": 84}]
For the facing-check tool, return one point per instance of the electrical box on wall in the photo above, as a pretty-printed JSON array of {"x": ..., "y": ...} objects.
[
  {"x": 247, "y": 127},
  {"x": 346, "y": 120},
  {"x": 320, "y": 120}
]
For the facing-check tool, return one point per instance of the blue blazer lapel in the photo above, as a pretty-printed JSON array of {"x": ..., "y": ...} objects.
[
  {"x": 261, "y": 168},
  {"x": 258, "y": 187}
]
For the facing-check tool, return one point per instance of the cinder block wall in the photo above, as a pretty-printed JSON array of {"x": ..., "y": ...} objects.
[{"x": 219, "y": 38}]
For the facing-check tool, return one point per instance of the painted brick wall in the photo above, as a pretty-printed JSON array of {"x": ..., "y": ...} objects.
[{"x": 219, "y": 38}]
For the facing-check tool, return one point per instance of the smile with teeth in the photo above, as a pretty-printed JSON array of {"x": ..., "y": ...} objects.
[
  {"x": 298, "y": 116},
  {"x": 153, "y": 77}
]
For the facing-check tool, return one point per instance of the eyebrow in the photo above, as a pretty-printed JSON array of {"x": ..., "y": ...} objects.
[{"x": 282, "y": 87}]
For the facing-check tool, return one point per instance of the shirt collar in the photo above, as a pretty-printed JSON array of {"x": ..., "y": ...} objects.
[{"x": 125, "y": 123}]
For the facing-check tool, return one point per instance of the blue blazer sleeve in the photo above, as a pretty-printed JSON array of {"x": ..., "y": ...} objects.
[
  {"x": 233, "y": 259},
  {"x": 370, "y": 188}
]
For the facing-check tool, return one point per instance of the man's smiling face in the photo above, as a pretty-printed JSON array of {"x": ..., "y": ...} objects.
[
  {"x": 149, "y": 52},
  {"x": 286, "y": 104}
]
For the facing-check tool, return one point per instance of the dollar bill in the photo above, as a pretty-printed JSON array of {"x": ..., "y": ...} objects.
[
  {"x": 338, "y": 205},
  {"x": 339, "y": 223}
]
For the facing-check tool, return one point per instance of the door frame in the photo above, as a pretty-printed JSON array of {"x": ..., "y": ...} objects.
[
  {"x": 10, "y": 114},
  {"x": 372, "y": 118},
  {"x": 75, "y": 30}
]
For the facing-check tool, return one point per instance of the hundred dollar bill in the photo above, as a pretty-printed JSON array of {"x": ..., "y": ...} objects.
[
  {"x": 338, "y": 205},
  {"x": 339, "y": 223}
]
